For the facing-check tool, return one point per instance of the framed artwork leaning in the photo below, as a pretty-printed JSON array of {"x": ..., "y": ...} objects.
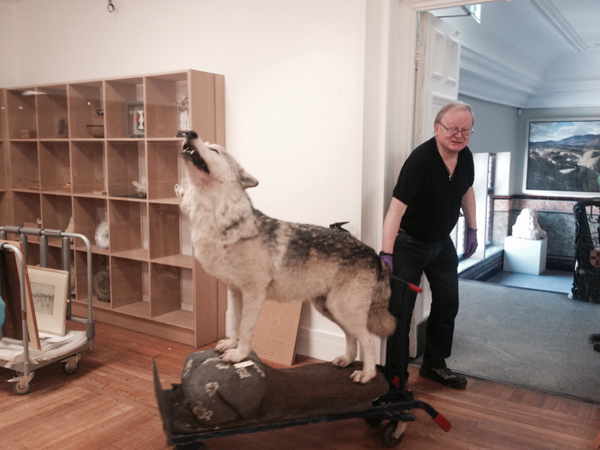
[
  {"x": 563, "y": 158},
  {"x": 49, "y": 290}
]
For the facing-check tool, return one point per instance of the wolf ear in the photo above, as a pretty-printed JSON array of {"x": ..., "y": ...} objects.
[{"x": 247, "y": 180}]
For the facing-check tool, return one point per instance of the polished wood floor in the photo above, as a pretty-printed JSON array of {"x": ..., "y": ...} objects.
[{"x": 109, "y": 403}]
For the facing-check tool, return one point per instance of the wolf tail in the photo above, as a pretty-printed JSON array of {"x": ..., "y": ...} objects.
[{"x": 380, "y": 321}]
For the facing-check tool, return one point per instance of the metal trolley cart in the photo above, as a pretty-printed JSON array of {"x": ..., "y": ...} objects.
[{"x": 72, "y": 354}]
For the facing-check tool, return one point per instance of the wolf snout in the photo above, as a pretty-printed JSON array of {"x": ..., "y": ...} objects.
[{"x": 191, "y": 153}]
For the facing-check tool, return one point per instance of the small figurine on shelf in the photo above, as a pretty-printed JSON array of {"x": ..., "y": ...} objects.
[{"x": 184, "y": 125}]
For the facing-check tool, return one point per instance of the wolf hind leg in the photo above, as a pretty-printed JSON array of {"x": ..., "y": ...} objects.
[
  {"x": 351, "y": 315},
  {"x": 250, "y": 311},
  {"x": 236, "y": 314}
]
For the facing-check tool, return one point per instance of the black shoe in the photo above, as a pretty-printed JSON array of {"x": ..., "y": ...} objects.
[
  {"x": 597, "y": 346},
  {"x": 594, "y": 338},
  {"x": 444, "y": 376}
]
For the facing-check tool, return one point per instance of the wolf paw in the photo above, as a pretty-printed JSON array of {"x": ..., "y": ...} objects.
[
  {"x": 225, "y": 344},
  {"x": 233, "y": 355},
  {"x": 362, "y": 376},
  {"x": 342, "y": 361}
]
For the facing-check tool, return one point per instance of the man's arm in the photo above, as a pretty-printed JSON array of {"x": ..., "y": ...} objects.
[
  {"x": 468, "y": 207},
  {"x": 391, "y": 224}
]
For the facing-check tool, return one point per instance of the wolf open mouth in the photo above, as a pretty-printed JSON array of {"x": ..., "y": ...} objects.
[{"x": 190, "y": 153}]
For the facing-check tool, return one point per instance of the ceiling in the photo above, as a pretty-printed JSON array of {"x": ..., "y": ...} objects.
[{"x": 531, "y": 53}]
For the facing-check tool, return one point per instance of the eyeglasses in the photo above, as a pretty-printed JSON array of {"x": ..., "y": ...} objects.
[{"x": 465, "y": 133}]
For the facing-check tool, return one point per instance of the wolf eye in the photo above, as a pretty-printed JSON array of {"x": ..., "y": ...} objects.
[{"x": 214, "y": 149}]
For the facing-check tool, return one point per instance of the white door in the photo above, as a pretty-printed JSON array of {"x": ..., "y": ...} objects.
[{"x": 438, "y": 61}]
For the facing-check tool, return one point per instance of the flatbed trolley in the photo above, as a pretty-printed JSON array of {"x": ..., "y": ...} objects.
[
  {"x": 70, "y": 358},
  {"x": 393, "y": 407}
]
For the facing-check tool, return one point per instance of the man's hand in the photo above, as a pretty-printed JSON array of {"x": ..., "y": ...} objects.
[{"x": 471, "y": 244}]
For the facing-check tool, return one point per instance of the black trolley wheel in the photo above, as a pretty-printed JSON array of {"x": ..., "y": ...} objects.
[{"x": 387, "y": 435}]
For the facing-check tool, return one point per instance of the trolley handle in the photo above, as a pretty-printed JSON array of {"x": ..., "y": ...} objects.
[{"x": 411, "y": 286}]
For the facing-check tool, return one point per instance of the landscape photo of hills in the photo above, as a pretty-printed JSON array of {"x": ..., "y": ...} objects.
[{"x": 564, "y": 156}]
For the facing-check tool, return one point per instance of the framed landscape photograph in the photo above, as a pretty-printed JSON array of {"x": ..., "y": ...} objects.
[
  {"x": 563, "y": 158},
  {"x": 49, "y": 289}
]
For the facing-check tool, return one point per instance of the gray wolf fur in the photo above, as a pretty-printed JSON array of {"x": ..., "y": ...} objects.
[{"x": 260, "y": 258}]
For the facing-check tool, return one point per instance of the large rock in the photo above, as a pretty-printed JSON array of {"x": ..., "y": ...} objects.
[{"x": 218, "y": 392}]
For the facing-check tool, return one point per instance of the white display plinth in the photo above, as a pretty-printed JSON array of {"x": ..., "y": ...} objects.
[{"x": 525, "y": 255}]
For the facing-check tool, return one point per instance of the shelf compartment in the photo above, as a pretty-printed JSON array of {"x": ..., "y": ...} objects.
[
  {"x": 88, "y": 168},
  {"x": 126, "y": 163},
  {"x": 87, "y": 214},
  {"x": 26, "y": 209},
  {"x": 85, "y": 107},
  {"x": 118, "y": 94},
  {"x": 171, "y": 294},
  {"x": 56, "y": 213},
  {"x": 52, "y": 112},
  {"x": 21, "y": 113},
  {"x": 3, "y": 162},
  {"x": 164, "y": 169},
  {"x": 163, "y": 92},
  {"x": 24, "y": 165},
  {"x": 55, "y": 161},
  {"x": 128, "y": 281},
  {"x": 128, "y": 228},
  {"x": 2, "y": 111},
  {"x": 99, "y": 263},
  {"x": 4, "y": 218},
  {"x": 166, "y": 244}
]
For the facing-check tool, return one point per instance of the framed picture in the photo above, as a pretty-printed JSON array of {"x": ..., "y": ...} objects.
[
  {"x": 563, "y": 158},
  {"x": 135, "y": 119},
  {"x": 49, "y": 290}
]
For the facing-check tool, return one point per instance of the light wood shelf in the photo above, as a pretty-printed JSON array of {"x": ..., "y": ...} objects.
[{"x": 110, "y": 150}]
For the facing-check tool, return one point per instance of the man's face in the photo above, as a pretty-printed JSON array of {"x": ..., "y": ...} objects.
[{"x": 459, "y": 119}]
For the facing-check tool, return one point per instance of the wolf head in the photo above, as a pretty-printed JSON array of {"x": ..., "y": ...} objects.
[{"x": 207, "y": 164}]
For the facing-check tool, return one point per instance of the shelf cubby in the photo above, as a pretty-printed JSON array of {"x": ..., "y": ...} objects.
[
  {"x": 4, "y": 217},
  {"x": 163, "y": 93},
  {"x": 126, "y": 163},
  {"x": 173, "y": 286},
  {"x": 128, "y": 227},
  {"x": 55, "y": 162},
  {"x": 56, "y": 213},
  {"x": 164, "y": 169},
  {"x": 165, "y": 236},
  {"x": 26, "y": 209},
  {"x": 85, "y": 108},
  {"x": 24, "y": 165},
  {"x": 87, "y": 214},
  {"x": 3, "y": 171},
  {"x": 21, "y": 113},
  {"x": 52, "y": 112},
  {"x": 87, "y": 162},
  {"x": 99, "y": 263},
  {"x": 128, "y": 285},
  {"x": 118, "y": 95}
]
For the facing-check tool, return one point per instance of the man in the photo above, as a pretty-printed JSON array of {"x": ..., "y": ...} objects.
[{"x": 434, "y": 183}]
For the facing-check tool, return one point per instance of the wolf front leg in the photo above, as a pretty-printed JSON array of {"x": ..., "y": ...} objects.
[
  {"x": 250, "y": 311},
  {"x": 236, "y": 315}
]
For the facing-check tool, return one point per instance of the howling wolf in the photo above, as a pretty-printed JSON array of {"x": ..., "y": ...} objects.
[{"x": 260, "y": 258}]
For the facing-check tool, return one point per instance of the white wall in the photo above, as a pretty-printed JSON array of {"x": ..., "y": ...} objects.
[{"x": 293, "y": 69}]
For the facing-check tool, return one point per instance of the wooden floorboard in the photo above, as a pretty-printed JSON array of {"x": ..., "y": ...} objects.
[{"x": 109, "y": 403}]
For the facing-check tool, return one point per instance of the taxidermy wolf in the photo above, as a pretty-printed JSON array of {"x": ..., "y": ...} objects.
[{"x": 260, "y": 258}]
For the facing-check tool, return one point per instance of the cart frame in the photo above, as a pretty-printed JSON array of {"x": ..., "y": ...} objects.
[{"x": 70, "y": 360}]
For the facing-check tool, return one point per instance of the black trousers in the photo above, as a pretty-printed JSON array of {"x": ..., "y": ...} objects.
[{"x": 439, "y": 262}]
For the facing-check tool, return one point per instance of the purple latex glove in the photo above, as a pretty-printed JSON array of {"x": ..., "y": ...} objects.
[
  {"x": 471, "y": 244},
  {"x": 388, "y": 259}
]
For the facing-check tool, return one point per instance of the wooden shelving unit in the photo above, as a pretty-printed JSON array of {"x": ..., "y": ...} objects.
[{"x": 77, "y": 150}]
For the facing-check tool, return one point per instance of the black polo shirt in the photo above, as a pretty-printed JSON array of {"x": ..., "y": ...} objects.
[{"x": 433, "y": 199}]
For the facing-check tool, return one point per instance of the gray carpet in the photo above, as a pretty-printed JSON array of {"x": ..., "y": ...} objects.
[
  {"x": 528, "y": 338},
  {"x": 548, "y": 280}
]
